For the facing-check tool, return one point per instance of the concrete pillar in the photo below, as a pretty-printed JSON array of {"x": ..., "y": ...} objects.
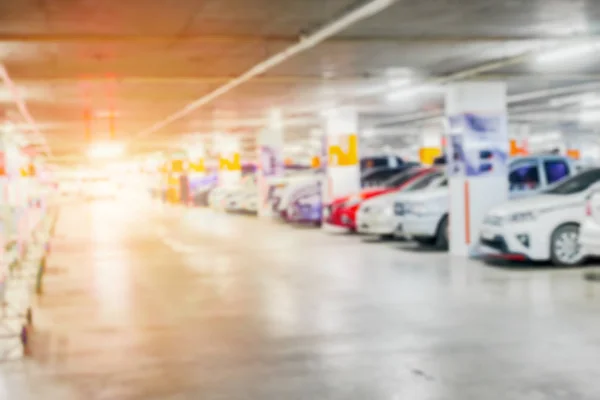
[
  {"x": 230, "y": 163},
  {"x": 477, "y": 150},
  {"x": 270, "y": 161},
  {"x": 343, "y": 166},
  {"x": 431, "y": 141},
  {"x": 228, "y": 149}
]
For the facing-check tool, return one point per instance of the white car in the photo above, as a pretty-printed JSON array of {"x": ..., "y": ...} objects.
[
  {"x": 425, "y": 217},
  {"x": 589, "y": 231},
  {"x": 295, "y": 186},
  {"x": 543, "y": 227},
  {"x": 227, "y": 197},
  {"x": 375, "y": 216}
]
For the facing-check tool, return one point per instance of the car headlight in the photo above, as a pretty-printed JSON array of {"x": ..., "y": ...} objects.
[
  {"x": 526, "y": 216},
  {"x": 421, "y": 208}
]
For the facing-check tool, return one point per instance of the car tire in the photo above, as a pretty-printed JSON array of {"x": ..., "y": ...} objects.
[
  {"x": 561, "y": 242},
  {"x": 441, "y": 237}
]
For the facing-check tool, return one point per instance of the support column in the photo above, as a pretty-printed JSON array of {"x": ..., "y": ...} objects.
[
  {"x": 270, "y": 161},
  {"x": 431, "y": 142},
  {"x": 343, "y": 166},
  {"x": 230, "y": 164},
  {"x": 228, "y": 148},
  {"x": 477, "y": 149}
]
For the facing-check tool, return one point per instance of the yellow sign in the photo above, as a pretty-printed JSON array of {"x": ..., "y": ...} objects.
[
  {"x": 338, "y": 156},
  {"x": 427, "y": 155},
  {"x": 177, "y": 166},
  {"x": 197, "y": 166},
  {"x": 231, "y": 164}
]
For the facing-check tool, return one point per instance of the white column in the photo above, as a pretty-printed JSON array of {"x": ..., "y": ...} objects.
[
  {"x": 343, "y": 166},
  {"x": 270, "y": 161},
  {"x": 228, "y": 148},
  {"x": 431, "y": 141},
  {"x": 477, "y": 150}
]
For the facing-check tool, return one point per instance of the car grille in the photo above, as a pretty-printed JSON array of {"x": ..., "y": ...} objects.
[
  {"x": 399, "y": 208},
  {"x": 497, "y": 243}
]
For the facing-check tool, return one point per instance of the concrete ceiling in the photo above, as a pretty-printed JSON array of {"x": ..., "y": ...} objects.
[{"x": 146, "y": 59}]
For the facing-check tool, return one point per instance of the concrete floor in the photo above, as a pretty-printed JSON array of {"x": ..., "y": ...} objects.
[{"x": 151, "y": 302}]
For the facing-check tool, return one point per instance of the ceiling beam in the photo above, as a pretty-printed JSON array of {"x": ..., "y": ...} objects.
[
  {"x": 24, "y": 80},
  {"x": 285, "y": 39}
]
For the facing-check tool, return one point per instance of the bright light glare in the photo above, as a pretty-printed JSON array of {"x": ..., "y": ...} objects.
[
  {"x": 567, "y": 52},
  {"x": 106, "y": 150}
]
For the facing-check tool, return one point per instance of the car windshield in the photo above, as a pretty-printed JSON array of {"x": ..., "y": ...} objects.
[
  {"x": 577, "y": 183},
  {"x": 426, "y": 180},
  {"x": 401, "y": 178}
]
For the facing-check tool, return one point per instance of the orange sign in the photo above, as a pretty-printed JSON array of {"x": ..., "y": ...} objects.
[
  {"x": 573, "y": 153},
  {"x": 516, "y": 150}
]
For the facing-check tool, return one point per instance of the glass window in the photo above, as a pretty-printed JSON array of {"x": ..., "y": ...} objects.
[
  {"x": 556, "y": 170},
  {"x": 401, "y": 178},
  {"x": 426, "y": 180},
  {"x": 577, "y": 183},
  {"x": 524, "y": 176}
]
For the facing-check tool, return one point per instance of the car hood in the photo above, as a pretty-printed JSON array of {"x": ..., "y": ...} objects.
[
  {"x": 533, "y": 203},
  {"x": 425, "y": 195}
]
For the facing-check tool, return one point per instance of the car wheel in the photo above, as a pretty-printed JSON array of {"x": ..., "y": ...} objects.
[
  {"x": 565, "y": 249},
  {"x": 442, "y": 235}
]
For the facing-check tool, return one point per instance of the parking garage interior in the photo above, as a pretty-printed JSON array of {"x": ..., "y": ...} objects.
[{"x": 299, "y": 199}]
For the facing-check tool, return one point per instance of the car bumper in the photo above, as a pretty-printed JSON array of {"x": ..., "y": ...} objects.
[
  {"x": 342, "y": 219},
  {"x": 420, "y": 226},
  {"x": 375, "y": 224},
  {"x": 518, "y": 242},
  {"x": 589, "y": 238}
]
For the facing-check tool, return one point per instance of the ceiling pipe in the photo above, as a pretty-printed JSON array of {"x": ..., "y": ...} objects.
[
  {"x": 516, "y": 98},
  {"x": 363, "y": 11}
]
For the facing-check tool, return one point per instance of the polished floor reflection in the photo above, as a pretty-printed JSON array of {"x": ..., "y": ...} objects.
[{"x": 145, "y": 301}]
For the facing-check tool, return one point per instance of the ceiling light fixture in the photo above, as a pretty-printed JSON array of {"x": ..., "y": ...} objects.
[
  {"x": 564, "y": 53},
  {"x": 411, "y": 92}
]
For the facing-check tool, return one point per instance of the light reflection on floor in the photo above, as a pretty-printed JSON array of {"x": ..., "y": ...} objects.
[{"x": 157, "y": 302}]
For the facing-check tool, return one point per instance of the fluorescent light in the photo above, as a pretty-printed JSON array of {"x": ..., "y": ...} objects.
[
  {"x": 105, "y": 150},
  {"x": 589, "y": 116},
  {"x": 411, "y": 92},
  {"x": 567, "y": 52},
  {"x": 590, "y": 101},
  {"x": 399, "y": 82}
]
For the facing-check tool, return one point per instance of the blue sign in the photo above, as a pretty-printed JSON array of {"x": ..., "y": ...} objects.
[{"x": 477, "y": 145}]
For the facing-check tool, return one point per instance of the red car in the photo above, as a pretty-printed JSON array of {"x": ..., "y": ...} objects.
[{"x": 342, "y": 211}]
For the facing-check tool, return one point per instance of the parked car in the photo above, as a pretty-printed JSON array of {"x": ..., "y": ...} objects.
[
  {"x": 425, "y": 217},
  {"x": 589, "y": 231},
  {"x": 225, "y": 197},
  {"x": 375, "y": 216},
  {"x": 543, "y": 227},
  {"x": 342, "y": 211},
  {"x": 302, "y": 199}
]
